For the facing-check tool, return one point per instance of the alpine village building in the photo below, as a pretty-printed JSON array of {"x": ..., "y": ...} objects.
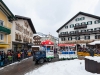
[
  {"x": 81, "y": 29},
  {"x": 37, "y": 40},
  {"x": 16, "y": 32},
  {"x": 22, "y": 31},
  {"x": 6, "y": 18}
]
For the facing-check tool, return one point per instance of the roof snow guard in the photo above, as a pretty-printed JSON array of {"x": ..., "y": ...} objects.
[
  {"x": 80, "y": 13},
  {"x": 29, "y": 21},
  {"x": 6, "y": 11}
]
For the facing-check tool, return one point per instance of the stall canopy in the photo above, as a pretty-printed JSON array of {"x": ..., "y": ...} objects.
[
  {"x": 66, "y": 44},
  {"x": 94, "y": 43},
  {"x": 47, "y": 42}
]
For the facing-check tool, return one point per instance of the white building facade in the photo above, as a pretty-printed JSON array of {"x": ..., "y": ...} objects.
[
  {"x": 22, "y": 33},
  {"x": 82, "y": 28}
]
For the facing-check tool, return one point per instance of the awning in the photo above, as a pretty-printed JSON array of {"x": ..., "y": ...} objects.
[
  {"x": 66, "y": 44},
  {"x": 3, "y": 45}
]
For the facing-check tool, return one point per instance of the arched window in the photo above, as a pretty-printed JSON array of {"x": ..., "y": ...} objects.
[
  {"x": 19, "y": 37},
  {"x": 16, "y": 36}
]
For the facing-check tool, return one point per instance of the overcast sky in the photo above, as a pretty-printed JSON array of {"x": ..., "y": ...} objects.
[{"x": 49, "y": 15}]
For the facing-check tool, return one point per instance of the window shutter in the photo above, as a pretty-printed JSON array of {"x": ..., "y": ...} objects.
[
  {"x": 84, "y": 37},
  {"x": 88, "y": 37},
  {"x": 71, "y": 38}
]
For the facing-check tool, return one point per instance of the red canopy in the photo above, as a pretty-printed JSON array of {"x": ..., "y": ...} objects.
[
  {"x": 47, "y": 42},
  {"x": 66, "y": 44}
]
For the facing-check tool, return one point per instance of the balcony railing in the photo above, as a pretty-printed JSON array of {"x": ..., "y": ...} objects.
[
  {"x": 79, "y": 33},
  {"x": 63, "y": 35},
  {"x": 80, "y": 26},
  {"x": 5, "y": 29},
  {"x": 96, "y": 32}
]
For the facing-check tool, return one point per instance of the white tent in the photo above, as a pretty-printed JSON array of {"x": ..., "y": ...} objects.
[{"x": 94, "y": 43}]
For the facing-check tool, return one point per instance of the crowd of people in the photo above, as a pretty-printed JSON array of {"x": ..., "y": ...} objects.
[
  {"x": 11, "y": 56},
  {"x": 87, "y": 49}
]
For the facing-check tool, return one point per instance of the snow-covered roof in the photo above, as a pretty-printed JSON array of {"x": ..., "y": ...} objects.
[{"x": 95, "y": 58}]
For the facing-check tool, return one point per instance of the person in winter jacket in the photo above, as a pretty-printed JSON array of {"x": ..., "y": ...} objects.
[{"x": 19, "y": 56}]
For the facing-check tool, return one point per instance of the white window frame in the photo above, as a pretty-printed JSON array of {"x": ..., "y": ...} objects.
[{"x": 0, "y": 37}]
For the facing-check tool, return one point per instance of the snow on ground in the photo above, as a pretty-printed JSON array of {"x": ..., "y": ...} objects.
[{"x": 67, "y": 67}]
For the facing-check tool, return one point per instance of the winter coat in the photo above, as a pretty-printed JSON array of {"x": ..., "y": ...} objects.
[{"x": 9, "y": 57}]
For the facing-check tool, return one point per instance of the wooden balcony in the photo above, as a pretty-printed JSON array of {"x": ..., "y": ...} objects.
[
  {"x": 80, "y": 27},
  {"x": 96, "y": 32},
  {"x": 76, "y": 33},
  {"x": 63, "y": 35}
]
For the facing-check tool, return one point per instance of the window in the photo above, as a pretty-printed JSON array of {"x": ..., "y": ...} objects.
[
  {"x": 66, "y": 27},
  {"x": 69, "y": 38},
  {"x": 72, "y": 32},
  {"x": 89, "y": 29},
  {"x": 96, "y": 28},
  {"x": 83, "y": 23},
  {"x": 72, "y": 25},
  {"x": 89, "y": 22},
  {"x": 77, "y": 24},
  {"x": 62, "y": 39},
  {"x": 77, "y": 19},
  {"x": 97, "y": 36},
  {"x": 1, "y": 23},
  {"x": 97, "y": 21},
  {"x": 82, "y": 18},
  {"x": 1, "y": 37},
  {"x": 63, "y": 32},
  {"x": 83, "y": 30},
  {"x": 77, "y": 37},
  {"x": 66, "y": 32},
  {"x": 86, "y": 37},
  {"x": 19, "y": 37}
]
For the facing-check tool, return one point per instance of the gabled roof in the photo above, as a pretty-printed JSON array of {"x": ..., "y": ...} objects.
[
  {"x": 80, "y": 13},
  {"x": 6, "y": 11},
  {"x": 29, "y": 21}
]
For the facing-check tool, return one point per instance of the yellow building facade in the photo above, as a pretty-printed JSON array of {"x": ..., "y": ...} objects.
[{"x": 6, "y": 18}]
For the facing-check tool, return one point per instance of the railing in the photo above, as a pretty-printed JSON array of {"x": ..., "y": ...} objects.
[
  {"x": 80, "y": 33},
  {"x": 80, "y": 26}
]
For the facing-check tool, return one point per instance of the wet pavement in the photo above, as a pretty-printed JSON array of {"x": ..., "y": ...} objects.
[{"x": 22, "y": 67}]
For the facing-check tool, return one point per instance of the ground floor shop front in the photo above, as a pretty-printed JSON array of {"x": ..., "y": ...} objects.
[{"x": 17, "y": 46}]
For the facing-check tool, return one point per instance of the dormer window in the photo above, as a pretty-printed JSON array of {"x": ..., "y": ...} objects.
[{"x": 1, "y": 23}]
